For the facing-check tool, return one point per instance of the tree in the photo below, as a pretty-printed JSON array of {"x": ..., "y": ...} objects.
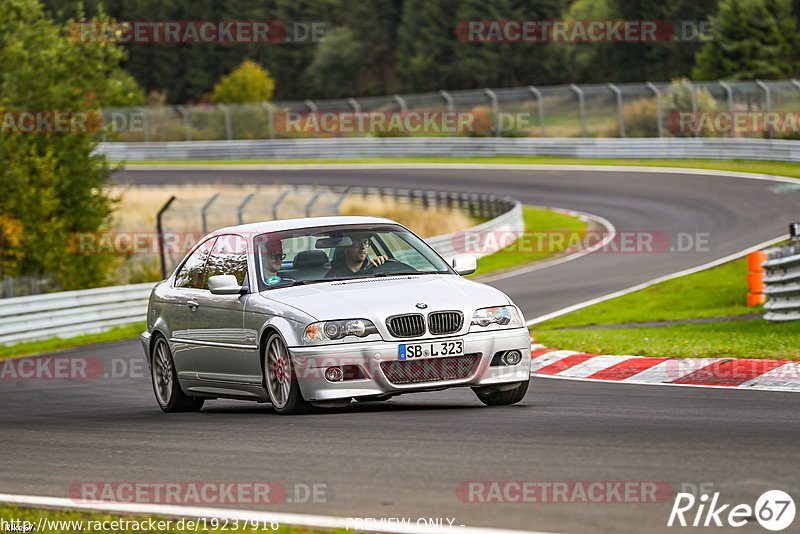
[
  {"x": 338, "y": 61},
  {"x": 504, "y": 64},
  {"x": 248, "y": 83},
  {"x": 752, "y": 39},
  {"x": 54, "y": 185}
]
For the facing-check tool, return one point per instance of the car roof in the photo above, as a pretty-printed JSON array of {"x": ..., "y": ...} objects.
[{"x": 305, "y": 222}]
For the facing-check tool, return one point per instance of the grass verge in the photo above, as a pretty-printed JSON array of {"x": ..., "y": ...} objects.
[
  {"x": 717, "y": 292},
  {"x": 762, "y": 167},
  {"x": 537, "y": 221},
  {"x": 63, "y": 521},
  {"x": 48, "y": 345},
  {"x": 737, "y": 339}
]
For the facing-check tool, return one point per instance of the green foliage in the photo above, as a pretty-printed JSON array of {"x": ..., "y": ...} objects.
[
  {"x": 678, "y": 98},
  {"x": 248, "y": 83},
  {"x": 752, "y": 39},
  {"x": 53, "y": 186},
  {"x": 338, "y": 61},
  {"x": 641, "y": 118}
]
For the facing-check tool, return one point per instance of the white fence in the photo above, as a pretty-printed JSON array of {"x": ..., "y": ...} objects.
[
  {"x": 782, "y": 281},
  {"x": 400, "y": 147}
]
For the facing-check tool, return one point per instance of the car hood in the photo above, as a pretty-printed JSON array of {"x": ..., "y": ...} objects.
[{"x": 379, "y": 298}]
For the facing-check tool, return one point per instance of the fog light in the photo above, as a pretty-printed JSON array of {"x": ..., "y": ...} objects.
[
  {"x": 333, "y": 374},
  {"x": 512, "y": 357}
]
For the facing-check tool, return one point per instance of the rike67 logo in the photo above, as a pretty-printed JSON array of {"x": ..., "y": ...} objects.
[{"x": 774, "y": 510}]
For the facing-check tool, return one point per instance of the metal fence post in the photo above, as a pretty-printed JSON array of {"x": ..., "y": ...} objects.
[
  {"x": 278, "y": 203},
  {"x": 581, "y": 106},
  {"x": 357, "y": 108},
  {"x": 145, "y": 124},
  {"x": 160, "y": 234},
  {"x": 620, "y": 110},
  {"x": 540, "y": 105},
  {"x": 658, "y": 107},
  {"x": 228, "y": 124},
  {"x": 205, "y": 209},
  {"x": 270, "y": 117},
  {"x": 311, "y": 203},
  {"x": 450, "y": 109},
  {"x": 694, "y": 105},
  {"x": 767, "y": 95},
  {"x": 240, "y": 209},
  {"x": 498, "y": 125},
  {"x": 185, "y": 114},
  {"x": 729, "y": 92},
  {"x": 313, "y": 107},
  {"x": 400, "y": 102}
]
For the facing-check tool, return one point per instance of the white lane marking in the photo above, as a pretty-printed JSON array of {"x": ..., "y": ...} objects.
[
  {"x": 593, "y": 365},
  {"x": 785, "y": 376},
  {"x": 643, "y": 285},
  {"x": 318, "y": 521},
  {"x": 611, "y": 233}
]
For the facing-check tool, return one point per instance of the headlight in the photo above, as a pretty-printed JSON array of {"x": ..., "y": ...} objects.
[
  {"x": 500, "y": 315},
  {"x": 330, "y": 330}
]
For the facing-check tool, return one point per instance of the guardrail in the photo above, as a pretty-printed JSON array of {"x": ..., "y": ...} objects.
[
  {"x": 72, "y": 313},
  {"x": 782, "y": 283},
  {"x": 402, "y": 147}
]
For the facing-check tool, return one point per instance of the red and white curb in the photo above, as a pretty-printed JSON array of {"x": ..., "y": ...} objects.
[{"x": 778, "y": 375}]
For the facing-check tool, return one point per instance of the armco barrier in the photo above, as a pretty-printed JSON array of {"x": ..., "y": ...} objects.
[
  {"x": 72, "y": 313},
  {"x": 399, "y": 147},
  {"x": 782, "y": 281}
]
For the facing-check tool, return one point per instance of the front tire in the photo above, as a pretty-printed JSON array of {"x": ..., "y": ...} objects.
[
  {"x": 169, "y": 395},
  {"x": 280, "y": 380},
  {"x": 503, "y": 398}
]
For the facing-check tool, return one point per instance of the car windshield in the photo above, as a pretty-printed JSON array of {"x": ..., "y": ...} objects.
[{"x": 310, "y": 255}]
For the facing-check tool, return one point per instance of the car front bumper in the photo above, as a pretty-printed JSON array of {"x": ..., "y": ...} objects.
[{"x": 376, "y": 362}]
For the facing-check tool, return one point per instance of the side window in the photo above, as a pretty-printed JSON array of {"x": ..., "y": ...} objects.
[
  {"x": 191, "y": 273},
  {"x": 228, "y": 257}
]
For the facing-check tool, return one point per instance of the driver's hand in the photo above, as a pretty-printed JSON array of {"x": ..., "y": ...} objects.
[{"x": 377, "y": 260}]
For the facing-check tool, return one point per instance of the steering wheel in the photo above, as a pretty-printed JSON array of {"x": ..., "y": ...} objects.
[{"x": 389, "y": 266}]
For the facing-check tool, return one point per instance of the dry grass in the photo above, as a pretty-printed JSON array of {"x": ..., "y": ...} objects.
[
  {"x": 425, "y": 223},
  {"x": 138, "y": 205}
]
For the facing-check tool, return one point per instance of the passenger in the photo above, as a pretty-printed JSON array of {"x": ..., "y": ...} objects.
[{"x": 354, "y": 261}]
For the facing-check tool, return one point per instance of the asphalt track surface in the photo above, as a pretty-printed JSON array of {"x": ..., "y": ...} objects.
[{"x": 407, "y": 456}]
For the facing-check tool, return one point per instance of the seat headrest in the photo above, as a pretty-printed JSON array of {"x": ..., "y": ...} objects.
[{"x": 310, "y": 258}]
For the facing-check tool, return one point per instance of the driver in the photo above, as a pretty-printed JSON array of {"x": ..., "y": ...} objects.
[
  {"x": 273, "y": 257},
  {"x": 354, "y": 260}
]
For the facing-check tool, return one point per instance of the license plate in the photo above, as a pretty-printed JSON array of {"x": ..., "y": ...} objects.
[{"x": 431, "y": 350}]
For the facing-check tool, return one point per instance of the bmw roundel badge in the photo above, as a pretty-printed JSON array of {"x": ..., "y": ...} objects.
[{"x": 421, "y": 305}]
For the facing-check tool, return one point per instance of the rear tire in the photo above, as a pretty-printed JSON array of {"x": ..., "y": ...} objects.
[
  {"x": 280, "y": 380},
  {"x": 169, "y": 395},
  {"x": 503, "y": 398}
]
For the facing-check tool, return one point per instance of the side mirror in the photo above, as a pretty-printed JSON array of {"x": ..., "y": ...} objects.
[
  {"x": 224, "y": 284},
  {"x": 465, "y": 264}
]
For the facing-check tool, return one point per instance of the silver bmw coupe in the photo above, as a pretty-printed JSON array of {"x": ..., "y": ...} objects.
[{"x": 324, "y": 311}]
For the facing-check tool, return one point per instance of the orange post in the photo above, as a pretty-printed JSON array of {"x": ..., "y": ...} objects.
[{"x": 755, "y": 278}]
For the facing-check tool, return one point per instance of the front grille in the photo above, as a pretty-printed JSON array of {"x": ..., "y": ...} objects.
[
  {"x": 431, "y": 370},
  {"x": 445, "y": 322},
  {"x": 406, "y": 325}
]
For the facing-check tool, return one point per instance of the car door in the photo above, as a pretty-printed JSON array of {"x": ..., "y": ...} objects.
[
  {"x": 223, "y": 350},
  {"x": 186, "y": 289}
]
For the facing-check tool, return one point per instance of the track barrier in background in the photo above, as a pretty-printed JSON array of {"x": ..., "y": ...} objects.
[{"x": 782, "y": 279}]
